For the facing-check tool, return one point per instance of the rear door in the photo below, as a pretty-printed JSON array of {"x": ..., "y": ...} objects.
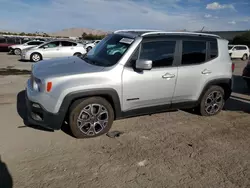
[
  {"x": 67, "y": 48},
  {"x": 195, "y": 68}
]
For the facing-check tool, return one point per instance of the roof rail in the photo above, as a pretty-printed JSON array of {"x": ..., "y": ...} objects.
[
  {"x": 188, "y": 33},
  {"x": 137, "y": 30}
]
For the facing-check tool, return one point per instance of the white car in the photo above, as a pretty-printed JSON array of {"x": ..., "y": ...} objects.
[
  {"x": 17, "y": 49},
  {"x": 53, "y": 49},
  {"x": 239, "y": 51},
  {"x": 91, "y": 45}
]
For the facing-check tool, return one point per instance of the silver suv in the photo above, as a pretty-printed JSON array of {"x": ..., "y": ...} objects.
[{"x": 130, "y": 73}]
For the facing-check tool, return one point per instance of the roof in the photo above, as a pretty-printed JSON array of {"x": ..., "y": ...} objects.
[{"x": 146, "y": 32}]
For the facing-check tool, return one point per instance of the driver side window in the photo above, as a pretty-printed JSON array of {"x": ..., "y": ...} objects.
[
  {"x": 51, "y": 45},
  {"x": 160, "y": 52}
]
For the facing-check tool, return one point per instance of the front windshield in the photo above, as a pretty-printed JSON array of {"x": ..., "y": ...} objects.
[
  {"x": 109, "y": 50},
  {"x": 230, "y": 47}
]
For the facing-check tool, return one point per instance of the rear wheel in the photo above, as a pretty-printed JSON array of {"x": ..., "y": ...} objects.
[
  {"x": 77, "y": 54},
  {"x": 244, "y": 58},
  {"x": 90, "y": 117},
  {"x": 35, "y": 57},
  {"x": 17, "y": 51},
  {"x": 89, "y": 48},
  {"x": 212, "y": 102},
  {"x": 248, "y": 84}
]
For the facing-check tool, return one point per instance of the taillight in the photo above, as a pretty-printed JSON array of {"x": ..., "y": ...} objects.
[{"x": 233, "y": 67}]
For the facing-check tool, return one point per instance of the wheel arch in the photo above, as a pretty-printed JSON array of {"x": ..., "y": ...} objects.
[
  {"x": 110, "y": 95},
  {"x": 35, "y": 53},
  {"x": 225, "y": 83}
]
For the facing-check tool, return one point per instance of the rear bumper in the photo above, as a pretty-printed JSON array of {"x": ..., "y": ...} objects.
[{"x": 37, "y": 115}]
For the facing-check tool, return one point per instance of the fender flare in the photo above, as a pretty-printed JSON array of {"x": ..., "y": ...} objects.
[
  {"x": 220, "y": 82},
  {"x": 110, "y": 94}
]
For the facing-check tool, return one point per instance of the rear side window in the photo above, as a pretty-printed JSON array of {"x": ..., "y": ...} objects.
[
  {"x": 213, "y": 50},
  {"x": 67, "y": 43},
  {"x": 240, "y": 48},
  {"x": 160, "y": 52},
  {"x": 193, "y": 52}
]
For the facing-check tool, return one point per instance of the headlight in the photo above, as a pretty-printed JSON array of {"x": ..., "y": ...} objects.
[{"x": 37, "y": 85}]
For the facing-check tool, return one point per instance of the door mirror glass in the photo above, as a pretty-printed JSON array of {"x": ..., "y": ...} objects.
[{"x": 143, "y": 64}]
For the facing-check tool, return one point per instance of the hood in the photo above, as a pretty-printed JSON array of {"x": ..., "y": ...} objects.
[{"x": 63, "y": 67}]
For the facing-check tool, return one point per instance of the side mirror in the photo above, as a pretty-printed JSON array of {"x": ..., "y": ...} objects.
[{"x": 143, "y": 64}]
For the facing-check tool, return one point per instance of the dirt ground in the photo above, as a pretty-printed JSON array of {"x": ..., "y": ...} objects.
[{"x": 176, "y": 149}]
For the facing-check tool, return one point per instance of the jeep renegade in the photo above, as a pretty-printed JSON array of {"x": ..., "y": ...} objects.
[{"x": 130, "y": 73}]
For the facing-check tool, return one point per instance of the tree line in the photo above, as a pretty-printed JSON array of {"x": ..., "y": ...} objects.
[
  {"x": 86, "y": 36},
  {"x": 243, "y": 39}
]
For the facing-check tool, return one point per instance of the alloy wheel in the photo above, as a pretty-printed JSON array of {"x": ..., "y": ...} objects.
[
  {"x": 92, "y": 119},
  {"x": 36, "y": 57},
  {"x": 214, "y": 102}
]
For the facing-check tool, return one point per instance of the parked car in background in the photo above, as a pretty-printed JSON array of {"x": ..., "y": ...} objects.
[
  {"x": 91, "y": 45},
  {"x": 246, "y": 74},
  {"x": 130, "y": 74},
  {"x": 53, "y": 49},
  {"x": 17, "y": 49},
  {"x": 5, "y": 42},
  {"x": 239, "y": 51}
]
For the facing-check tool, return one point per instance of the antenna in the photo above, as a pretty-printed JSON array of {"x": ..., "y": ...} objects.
[{"x": 202, "y": 28}]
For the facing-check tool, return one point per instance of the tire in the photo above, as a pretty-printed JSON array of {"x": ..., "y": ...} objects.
[
  {"x": 89, "y": 48},
  {"x": 35, "y": 57},
  {"x": 244, "y": 58},
  {"x": 91, "y": 127},
  {"x": 248, "y": 84},
  {"x": 77, "y": 54},
  {"x": 207, "y": 104},
  {"x": 17, "y": 51}
]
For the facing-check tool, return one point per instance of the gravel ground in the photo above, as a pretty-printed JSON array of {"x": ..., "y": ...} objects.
[{"x": 176, "y": 149}]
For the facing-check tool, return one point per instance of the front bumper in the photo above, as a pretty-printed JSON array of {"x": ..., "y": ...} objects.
[
  {"x": 24, "y": 56},
  {"x": 37, "y": 115}
]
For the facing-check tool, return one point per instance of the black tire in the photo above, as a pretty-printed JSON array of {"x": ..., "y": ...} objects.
[
  {"x": 17, "y": 51},
  {"x": 89, "y": 48},
  {"x": 78, "y": 108},
  {"x": 203, "y": 109},
  {"x": 244, "y": 58},
  {"x": 248, "y": 84},
  {"x": 38, "y": 55},
  {"x": 77, "y": 54}
]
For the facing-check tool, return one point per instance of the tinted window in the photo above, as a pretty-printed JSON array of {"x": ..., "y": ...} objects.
[
  {"x": 161, "y": 52},
  {"x": 240, "y": 48},
  {"x": 194, "y": 52},
  {"x": 51, "y": 44},
  {"x": 35, "y": 43},
  {"x": 213, "y": 50},
  {"x": 67, "y": 43}
]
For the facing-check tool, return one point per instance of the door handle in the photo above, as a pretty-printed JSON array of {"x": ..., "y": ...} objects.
[
  {"x": 206, "y": 71},
  {"x": 168, "y": 76}
]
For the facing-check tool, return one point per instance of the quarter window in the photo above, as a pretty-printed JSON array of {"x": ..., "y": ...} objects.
[
  {"x": 160, "y": 52},
  {"x": 67, "y": 43},
  {"x": 193, "y": 52}
]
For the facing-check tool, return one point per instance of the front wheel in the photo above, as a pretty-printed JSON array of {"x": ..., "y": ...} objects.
[
  {"x": 212, "y": 102},
  {"x": 17, "y": 51},
  {"x": 35, "y": 57},
  {"x": 90, "y": 117}
]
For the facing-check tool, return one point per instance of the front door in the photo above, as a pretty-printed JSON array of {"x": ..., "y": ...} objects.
[
  {"x": 51, "y": 50},
  {"x": 153, "y": 87}
]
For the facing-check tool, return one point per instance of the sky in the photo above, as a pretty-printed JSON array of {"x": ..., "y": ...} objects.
[{"x": 109, "y": 15}]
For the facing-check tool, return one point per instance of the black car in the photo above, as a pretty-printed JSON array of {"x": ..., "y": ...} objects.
[{"x": 246, "y": 74}]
